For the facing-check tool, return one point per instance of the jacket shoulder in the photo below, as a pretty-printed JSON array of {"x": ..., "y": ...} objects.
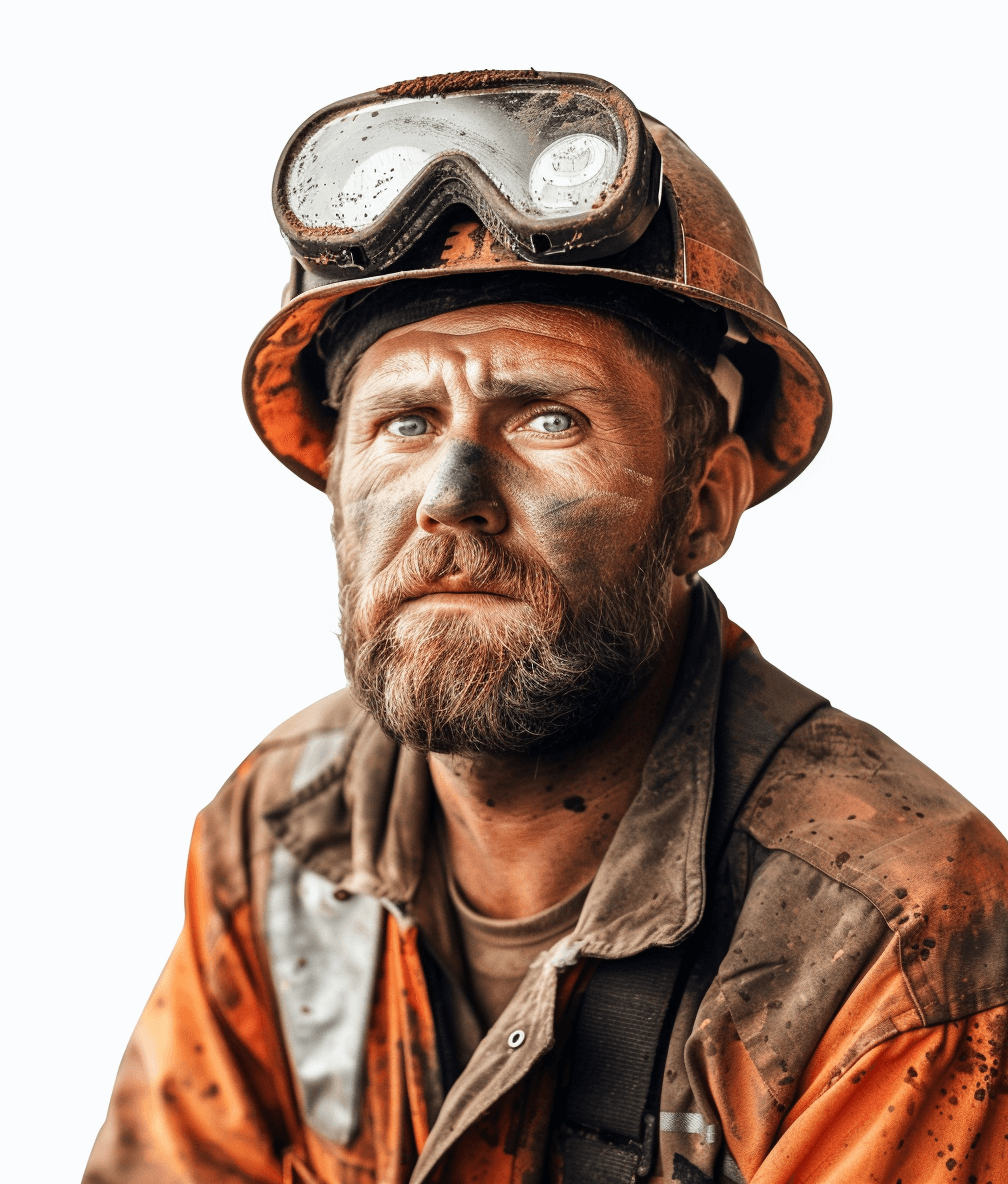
[
  {"x": 292, "y": 756},
  {"x": 297, "y": 761},
  {"x": 335, "y": 712},
  {"x": 848, "y": 800}
]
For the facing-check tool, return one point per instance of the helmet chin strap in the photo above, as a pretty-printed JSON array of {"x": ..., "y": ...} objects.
[{"x": 725, "y": 375}]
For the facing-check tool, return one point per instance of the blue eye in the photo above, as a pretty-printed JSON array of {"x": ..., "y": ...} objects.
[
  {"x": 552, "y": 421},
  {"x": 408, "y": 425}
]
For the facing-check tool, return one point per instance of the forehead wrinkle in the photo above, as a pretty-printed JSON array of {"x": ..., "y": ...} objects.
[
  {"x": 403, "y": 371},
  {"x": 505, "y": 360},
  {"x": 569, "y": 364},
  {"x": 447, "y": 367},
  {"x": 502, "y": 370},
  {"x": 519, "y": 317},
  {"x": 479, "y": 378}
]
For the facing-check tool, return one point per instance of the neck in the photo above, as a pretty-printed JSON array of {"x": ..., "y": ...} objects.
[{"x": 526, "y": 832}]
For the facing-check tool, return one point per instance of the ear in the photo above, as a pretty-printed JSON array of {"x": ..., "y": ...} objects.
[{"x": 719, "y": 499}]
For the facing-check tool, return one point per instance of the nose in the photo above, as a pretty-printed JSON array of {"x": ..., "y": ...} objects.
[{"x": 462, "y": 495}]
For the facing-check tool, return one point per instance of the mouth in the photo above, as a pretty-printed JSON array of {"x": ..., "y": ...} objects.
[
  {"x": 457, "y": 587},
  {"x": 468, "y": 603},
  {"x": 476, "y": 602}
]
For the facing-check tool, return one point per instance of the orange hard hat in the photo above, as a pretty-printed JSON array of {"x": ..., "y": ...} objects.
[{"x": 690, "y": 247}]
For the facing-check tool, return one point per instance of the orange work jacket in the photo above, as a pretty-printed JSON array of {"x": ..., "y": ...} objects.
[{"x": 844, "y": 1017}]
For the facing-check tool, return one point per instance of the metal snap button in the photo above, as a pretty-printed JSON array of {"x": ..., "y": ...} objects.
[{"x": 516, "y": 1039}]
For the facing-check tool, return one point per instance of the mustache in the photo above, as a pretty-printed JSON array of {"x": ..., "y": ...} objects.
[{"x": 481, "y": 561}]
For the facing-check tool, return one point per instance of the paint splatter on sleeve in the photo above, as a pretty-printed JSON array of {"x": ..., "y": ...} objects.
[{"x": 926, "y": 1105}]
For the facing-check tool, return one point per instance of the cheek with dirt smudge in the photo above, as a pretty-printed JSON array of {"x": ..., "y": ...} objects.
[
  {"x": 590, "y": 517},
  {"x": 586, "y": 536},
  {"x": 376, "y": 526}
]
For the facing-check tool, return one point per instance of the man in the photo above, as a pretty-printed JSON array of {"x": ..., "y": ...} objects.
[{"x": 571, "y": 884}]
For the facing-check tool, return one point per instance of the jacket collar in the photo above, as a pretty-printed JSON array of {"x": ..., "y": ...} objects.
[
  {"x": 649, "y": 889},
  {"x": 363, "y": 819}
]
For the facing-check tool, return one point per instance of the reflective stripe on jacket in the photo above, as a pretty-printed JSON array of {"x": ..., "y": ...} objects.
[{"x": 844, "y": 1018}]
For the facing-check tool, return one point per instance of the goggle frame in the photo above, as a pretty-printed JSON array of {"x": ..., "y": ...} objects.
[{"x": 612, "y": 223}]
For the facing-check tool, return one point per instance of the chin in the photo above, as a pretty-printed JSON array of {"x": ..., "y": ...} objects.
[{"x": 450, "y": 682}]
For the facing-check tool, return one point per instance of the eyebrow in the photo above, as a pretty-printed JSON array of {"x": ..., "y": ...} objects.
[
  {"x": 392, "y": 386},
  {"x": 507, "y": 388}
]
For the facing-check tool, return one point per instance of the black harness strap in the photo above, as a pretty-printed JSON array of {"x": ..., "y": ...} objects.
[
  {"x": 622, "y": 1033},
  {"x": 611, "y": 1112}
]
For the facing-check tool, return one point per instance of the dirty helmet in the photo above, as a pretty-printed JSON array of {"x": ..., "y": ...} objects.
[{"x": 486, "y": 187}]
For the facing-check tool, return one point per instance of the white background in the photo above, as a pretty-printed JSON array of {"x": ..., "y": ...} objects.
[{"x": 169, "y": 590}]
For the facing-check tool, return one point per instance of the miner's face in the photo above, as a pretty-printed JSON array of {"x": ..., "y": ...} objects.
[
  {"x": 498, "y": 489},
  {"x": 537, "y": 426}
]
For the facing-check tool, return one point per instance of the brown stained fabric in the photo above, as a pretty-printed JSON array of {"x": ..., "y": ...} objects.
[
  {"x": 801, "y": 936},
  {"x": 498, "y": 953},
  {"x": 844, "y": 1018},
  {"x": 846, "y": 800},
  {"x": 437, "y": 920},
  {"x": 509, "y": 1142},
  {"x": 734, "y": 639},
  {"x": 315, "y": 819}
]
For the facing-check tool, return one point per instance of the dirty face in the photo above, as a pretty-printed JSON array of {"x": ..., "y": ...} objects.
[{"x": 497, "y": 489}]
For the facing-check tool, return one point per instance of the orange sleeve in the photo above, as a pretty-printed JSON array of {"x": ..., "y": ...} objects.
[
  {"x": 196, "y": 1098},
  {"x": 930, "y": 1104}
]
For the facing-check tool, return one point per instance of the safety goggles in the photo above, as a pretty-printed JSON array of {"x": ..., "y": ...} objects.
[{"x": 557, "y": 166}]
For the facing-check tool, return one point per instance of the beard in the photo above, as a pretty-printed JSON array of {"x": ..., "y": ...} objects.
[{"x": 533, "y": 676}]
